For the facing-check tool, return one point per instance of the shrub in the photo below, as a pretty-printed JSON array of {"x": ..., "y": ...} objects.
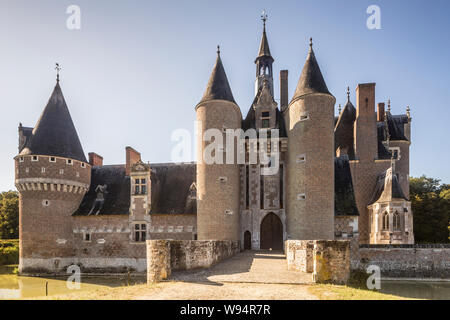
[{"x": 9, "y": 252}]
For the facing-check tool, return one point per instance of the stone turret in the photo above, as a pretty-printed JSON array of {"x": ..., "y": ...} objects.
[
  {"x": 218, "y": 182},
  {"x": 264, "y": 62},
  {"x": 310, "y": 168},
  {"x": 52, "y": 176}
]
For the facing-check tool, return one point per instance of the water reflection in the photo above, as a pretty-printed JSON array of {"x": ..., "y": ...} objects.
[
  {"x": 417, "y": 289},
  {"x": 17, "y": 287}
]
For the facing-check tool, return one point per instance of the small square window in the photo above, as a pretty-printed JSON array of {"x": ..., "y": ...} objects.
[
  {"x": 87, "y": 237},
  {"x": 43, "y": 169},
  {"x": 52, "y": 159},
  {"x": 83, "y": 165},
  {"x": 21, "y": 159},
  {"x": 265, "y": 123},
  {"x": 34, "y": 158},
  {"x": 266, "y": 114},
  {"x": 69, "y": 161},
  {"x": 45, "y": 203},
  {"x": 304, "y": 117},
  {"x": 61, "y": 171}
]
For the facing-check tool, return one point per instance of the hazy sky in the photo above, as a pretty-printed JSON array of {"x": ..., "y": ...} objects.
[{"x": 135, "y": 70}]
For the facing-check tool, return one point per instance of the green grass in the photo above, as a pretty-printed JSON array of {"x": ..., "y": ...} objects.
[
  {"x": 9, "y": 252},
  {"x": 335, "y": 292}
]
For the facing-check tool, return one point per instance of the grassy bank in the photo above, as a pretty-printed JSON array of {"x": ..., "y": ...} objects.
[
  {"x": 167, "y": 290},
  {"x": 9, "y": 252},
  {"x": 334, "y": 292}
]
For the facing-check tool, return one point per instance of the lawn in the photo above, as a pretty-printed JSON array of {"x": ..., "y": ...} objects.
[{"x": 335, "y": 292}]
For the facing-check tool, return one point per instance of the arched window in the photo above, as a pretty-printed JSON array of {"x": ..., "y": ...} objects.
[
  {"x": 385, "y": 221},
  {"x": 396, "y": 221}
]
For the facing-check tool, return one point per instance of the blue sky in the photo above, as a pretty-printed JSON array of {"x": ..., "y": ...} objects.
[{"x": 136, "y": 69}]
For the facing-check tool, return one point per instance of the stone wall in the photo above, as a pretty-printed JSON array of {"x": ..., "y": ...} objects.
[
  {"x": 328, "y": 260},
  {"x": 165, "y": 256},
  {"x": 406, "y": 261}
]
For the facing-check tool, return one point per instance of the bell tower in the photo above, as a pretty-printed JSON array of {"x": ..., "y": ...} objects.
[{"x": 264, "y": 61}]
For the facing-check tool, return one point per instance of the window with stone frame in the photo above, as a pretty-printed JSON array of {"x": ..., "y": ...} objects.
[
  {"x": 385, "y": 221},
  {"x": 140, "y": 232},
  {"x": 265, "y": 119},
  {"x": 396, "y": 221},
  {"x": 140, "y": 186}
]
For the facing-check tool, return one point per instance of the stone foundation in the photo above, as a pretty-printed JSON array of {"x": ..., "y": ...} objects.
[
  {"x": 165, "y": 256},
  {"x": 406, "y": 261},
  {"x": 327, "y": 260}
]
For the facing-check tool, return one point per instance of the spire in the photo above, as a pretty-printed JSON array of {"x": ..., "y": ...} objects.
[
  {"x": 57, "y": 68},
  {"x": 311, "y": 80},
  {"x": 264, "y": 50},
  {"x": 55, "y": 133},
  {"x": 218, "y": 87}
]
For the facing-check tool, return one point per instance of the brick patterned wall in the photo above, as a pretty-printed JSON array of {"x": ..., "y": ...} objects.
[
  {"x": 312, "y": 218},
  {"x": 217, "y": 201}
]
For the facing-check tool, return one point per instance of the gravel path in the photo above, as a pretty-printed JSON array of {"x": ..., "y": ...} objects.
[{"x": 253, "y": 275}]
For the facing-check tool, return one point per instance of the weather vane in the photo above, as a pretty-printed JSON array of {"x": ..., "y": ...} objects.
[
  {"x": 264, "y": 17},
  {"x": 57, "y": 68}
]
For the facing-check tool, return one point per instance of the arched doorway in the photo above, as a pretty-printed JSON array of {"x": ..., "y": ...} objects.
[
  {"x": 247, "y": 240},
  {"x": 271, "y": 232}
]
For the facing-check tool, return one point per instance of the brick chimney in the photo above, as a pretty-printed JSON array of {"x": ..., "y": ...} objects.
[
  {"x": 132, "y": 157},
  {"x": 380, "y": 112},
  {"x": 284, "y": 97},
  {"x": 95, "y": 160}
]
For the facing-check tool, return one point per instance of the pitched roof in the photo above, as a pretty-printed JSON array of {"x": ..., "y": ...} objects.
[
  {"x": 55, "y": 133},
  {"x": 343, "y": 131},
  {"x": 344, "y": 195},
  {"x": 387, "y": 187},
  {"x": 218, "y": 87},
  {"x": 117, "y": 198},
  {"x": 311, "y": 79},
  {"x": 172, "y": 188},
  {"x": 250, "y": 120}
]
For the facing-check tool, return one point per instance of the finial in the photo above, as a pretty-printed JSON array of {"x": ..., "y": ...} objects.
[
  {"x": 218, "y": 50},
  {"x": 310, "y": 42},
  {"x": 339, "y": 109},
  {"x": 389, "y": 105},
  {"x": 348, "y": 93},
  {"x": 264, "y": 17},
  {"x": 408, "y": 112},
  {"x": 57, "y": 68}
]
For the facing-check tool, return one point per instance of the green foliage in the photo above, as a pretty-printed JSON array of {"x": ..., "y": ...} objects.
[
  {"x": 9, "y": 215},
  {"x": 431, "y": 210},
  {"x": 9, "y": 252}
]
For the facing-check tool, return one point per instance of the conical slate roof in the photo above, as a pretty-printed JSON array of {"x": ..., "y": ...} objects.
[
  {"x": 264, "y": 50},
  {"x": 311, "y": 79},
  {"x": 55, "y": 133},
  {"x": 343, "y": 131},
  {"x": 218, "y": 87}
]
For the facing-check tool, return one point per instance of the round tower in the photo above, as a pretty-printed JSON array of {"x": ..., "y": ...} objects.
[
  {"x": 52, "y": 176},
  {"x": 310, "y": 169},
  {"x": 217, "y": 182}
]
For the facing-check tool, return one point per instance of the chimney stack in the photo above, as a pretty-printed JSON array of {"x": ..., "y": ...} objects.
[
  {"x": 380, "y": 112},
  {"x": 132, "y": 157},
  {"x": 95, "y": 160},
  {"x": 284, "y": 97}
]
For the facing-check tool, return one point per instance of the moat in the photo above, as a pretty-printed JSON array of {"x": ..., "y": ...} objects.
[{"x": 17, "y": 287}]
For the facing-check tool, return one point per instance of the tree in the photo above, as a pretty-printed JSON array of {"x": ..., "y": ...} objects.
[
  {"x": 9, "y": 215},
  {"x": 431, "y": 210}
]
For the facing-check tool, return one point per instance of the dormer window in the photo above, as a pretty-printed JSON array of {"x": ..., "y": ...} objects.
[
  {"x": 21, "y": 159},
  {"x": 140, "y": 186},
  {"x": 265, "y": 119},
  {"x": 34, "y": 158},
  {"x": 69, "y": 162},
  {"x": 52, "y": 159}
]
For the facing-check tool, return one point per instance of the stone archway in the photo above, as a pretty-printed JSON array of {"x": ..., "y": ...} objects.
[
  {"x": 271, "y": 233},
  {"x": 247, "y": 240}
]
